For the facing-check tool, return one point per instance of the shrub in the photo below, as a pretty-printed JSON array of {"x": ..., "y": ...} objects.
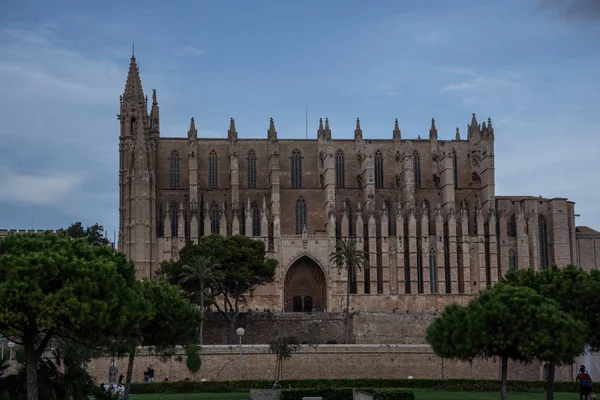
[{"x": 462, "y": 385}]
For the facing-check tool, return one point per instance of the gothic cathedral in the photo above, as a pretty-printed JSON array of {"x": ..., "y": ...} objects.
[{"x": 424, "y": 210}]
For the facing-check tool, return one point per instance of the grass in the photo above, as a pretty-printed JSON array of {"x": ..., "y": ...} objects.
[{"x": 420, "y": 394}]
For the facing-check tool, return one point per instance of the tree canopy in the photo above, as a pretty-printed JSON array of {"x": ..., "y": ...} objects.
[
  {"x": 165, "y": 320},
  {"x": 93, "y": 234},
  {"x": 54, "y": 286},
  {"x": 509, "y": 322},
  {"x": 575, "y": 292},
  {"x": 242, "y": 262}
]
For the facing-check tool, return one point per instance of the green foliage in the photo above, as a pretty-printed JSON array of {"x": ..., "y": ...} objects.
[
  {"x": 61, "y": 375},
  {"x": 459, "y": 385},
  {"x": 574, "y": 289},
  {"x": 55, "y": 286},
  {"x": 516, "y": 322},
  {"x": 243, "y": 265},
  {"x": 93, "y": 234},
  {"x": 173, "y": 319},
  {"x": 446, "y": 334},
  {"x": 193, "y": 361}
]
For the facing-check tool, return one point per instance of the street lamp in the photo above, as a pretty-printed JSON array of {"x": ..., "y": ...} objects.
[{"x": 240, "y": 332}]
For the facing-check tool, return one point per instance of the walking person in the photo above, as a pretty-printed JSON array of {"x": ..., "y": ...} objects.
[{"x": 584, "y": 380}]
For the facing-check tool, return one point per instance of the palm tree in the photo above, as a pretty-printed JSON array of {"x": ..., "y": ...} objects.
[
  {"x": 348, "y": 257},
  {"x": 203, "y": 270}
]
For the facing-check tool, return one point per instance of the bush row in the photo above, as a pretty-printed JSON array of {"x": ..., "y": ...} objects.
[
  {"x": 334, "y": 393},
  {"x": 463, "y": 385}
]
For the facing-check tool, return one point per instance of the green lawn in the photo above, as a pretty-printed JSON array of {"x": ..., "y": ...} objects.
[{"x": 421, "y": 394}]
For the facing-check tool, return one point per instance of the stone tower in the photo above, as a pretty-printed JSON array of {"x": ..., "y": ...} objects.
[{"x": 137, "y": 181}]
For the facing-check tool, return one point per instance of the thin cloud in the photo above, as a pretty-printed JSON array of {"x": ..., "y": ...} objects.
[
  {"x": 37, "y": 189},
  {"x": 190, "y": 51}
]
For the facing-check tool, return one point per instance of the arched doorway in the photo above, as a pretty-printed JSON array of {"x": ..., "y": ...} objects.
[{"x": 305, "y": 287}]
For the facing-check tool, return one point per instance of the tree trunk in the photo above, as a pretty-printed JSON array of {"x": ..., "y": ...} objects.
[
  {"x": 201, "y": 308},
  {"x": 504, "y": 378},
  {"x": 470, "y": 368},
  {"x": 31, "y": 358},
  {"x": 348, "y": 307},
  {"x": 129, "y": 373},
  {"x": 551, "y": 377},
  {"x": 231, "y": 334}
]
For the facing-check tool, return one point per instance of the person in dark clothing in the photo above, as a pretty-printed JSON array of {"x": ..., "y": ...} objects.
[{"x": 584, "y": 380}]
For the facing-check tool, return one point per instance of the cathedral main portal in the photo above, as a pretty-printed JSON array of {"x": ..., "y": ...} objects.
[{"x": 305, "y": 287}]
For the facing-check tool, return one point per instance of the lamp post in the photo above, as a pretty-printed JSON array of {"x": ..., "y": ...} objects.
[{"x": 240, "y": 332}]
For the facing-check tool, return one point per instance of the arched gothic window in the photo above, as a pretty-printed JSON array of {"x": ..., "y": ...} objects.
[
  {"x": 433, "y": 272},
  {"x": 543, "y": 230},
  {"x": 214, "y": 218},
  {"x": 389, "y": 215},
  {"x": 173, "y": 214},
  {"x": 255, "y": 219},
  {"x": 174, "y": 169},
  {"x": 512, "y": 259},
  {"x": 339, "y": 169},
  {"x": 242, "y": 220},
  {"x": 296, "y": 169},
  {"x": 455, "y": 168},
  {"x": 251, "y": 169},
  {"x": 348, "y": 206},
  {"x": 378, "y": 169},
  {"x": 465, "y": 205},
  {"x": 300, "y": 215},
  {"x": 419, "y": 272},
  {"x": 213, "y": 170},
  {"x": 417, "y": 169},
  {"x": 427, "y": 211},
  {"x": 511, "y": 226}
]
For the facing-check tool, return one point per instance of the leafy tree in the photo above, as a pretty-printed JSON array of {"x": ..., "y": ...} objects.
[
  {"x": 202, "y": 270},
  {"x": 244, "y": 266},
  {"x": 448, "y": 336},
  {"x": 93, "y": 234},
  {"x": 514, "y": 322},
  {"x": 575, "y": 292},
  {"x": 348, "y": 256},
  {"x": 171, "y": 320},
  {"x": 52, "y": 286},
  {"x": 283, "y": 348}
]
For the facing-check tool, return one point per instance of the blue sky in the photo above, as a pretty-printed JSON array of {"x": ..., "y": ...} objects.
[{"x": 531, "y": 65}]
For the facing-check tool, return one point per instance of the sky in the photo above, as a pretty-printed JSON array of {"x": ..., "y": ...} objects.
[{"x": 532, "y": 66}]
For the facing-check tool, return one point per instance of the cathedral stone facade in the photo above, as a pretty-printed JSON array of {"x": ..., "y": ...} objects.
[{"x": 425, "y": 210}]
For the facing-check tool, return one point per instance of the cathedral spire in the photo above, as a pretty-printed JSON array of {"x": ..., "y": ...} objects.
[
  {"x": 272, "y": 133},
  {"x": 320, "y": 131},
  {"x": 396, "y": 133},
  {"x": 433, "y": 131},
  {"x": 154, "y": 116},
  {"x": 457, "y": 134},
  {"x": 473, "y": 127},
  {"x": 358, "y": 131},
  {"x": 232, "y": 134},
  {"x": 192, "y": 133},
  {"x": 327, "y": 130},
  {"x": 133, "y": 88}
]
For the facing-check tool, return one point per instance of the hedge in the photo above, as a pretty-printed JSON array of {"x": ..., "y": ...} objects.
[
  {"x": 462, "y": 385},
  {"x": 334, "y": 393}
]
